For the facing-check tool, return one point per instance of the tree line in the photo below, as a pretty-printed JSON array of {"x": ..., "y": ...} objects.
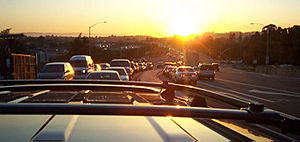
[{"x": 284, "y": 46}]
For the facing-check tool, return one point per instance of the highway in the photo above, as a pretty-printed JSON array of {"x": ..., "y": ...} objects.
[{"x": 277, "y": 93}]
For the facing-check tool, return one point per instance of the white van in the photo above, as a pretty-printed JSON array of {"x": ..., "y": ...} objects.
[{"x": 82, "y": 65}]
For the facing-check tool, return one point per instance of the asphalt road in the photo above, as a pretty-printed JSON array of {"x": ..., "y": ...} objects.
[{"x": 278, "y": 93}]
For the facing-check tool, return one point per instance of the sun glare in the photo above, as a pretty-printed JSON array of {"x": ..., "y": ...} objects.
[{"x": 181, "y": 23}]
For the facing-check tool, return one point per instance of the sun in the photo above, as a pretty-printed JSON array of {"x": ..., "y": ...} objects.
[{"x": 182, "y": 23}]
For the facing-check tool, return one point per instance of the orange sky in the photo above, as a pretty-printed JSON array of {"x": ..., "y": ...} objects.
[{"x": 149, "y": 17}]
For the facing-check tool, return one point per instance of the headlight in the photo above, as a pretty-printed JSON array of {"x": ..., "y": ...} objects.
[{"x": 83, "y": 71}]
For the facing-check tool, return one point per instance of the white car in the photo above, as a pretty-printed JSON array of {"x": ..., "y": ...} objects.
[
  {"x": 122, "y": 63},
  {"x": 122, "y": 72},
  {"x": 185, "y": 74},
  {"x": 56, "y": 70}
]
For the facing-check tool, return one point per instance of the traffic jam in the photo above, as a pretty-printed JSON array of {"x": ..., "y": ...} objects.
[{"x": 83, "y": 67}]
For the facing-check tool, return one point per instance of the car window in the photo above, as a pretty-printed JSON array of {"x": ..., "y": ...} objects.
[
  {"x": 52, "y": 68},
  {"x": 104, "y": 76},
  {"x": 206, "y": 67},
  {"x": 119, "y": 64},
  {"x": 79, "y": 63},
  {"x": 120, "y": 71}
]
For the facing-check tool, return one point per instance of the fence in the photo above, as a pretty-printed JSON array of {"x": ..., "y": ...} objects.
[{"x": 23, "y": 66}]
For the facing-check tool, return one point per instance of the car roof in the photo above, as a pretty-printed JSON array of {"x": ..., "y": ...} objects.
[
  {"x": 103, "y": 63},
  {"x": 205, "y": 64},
  {"x": 184, "y": 67},
  {"x": 120, "y": 59},
  {"x": 57, "y": 63},
  {"x": 80, "y": 57},
  {"x": 116, "y": 68},
  {"x": 104, "y": 71}
]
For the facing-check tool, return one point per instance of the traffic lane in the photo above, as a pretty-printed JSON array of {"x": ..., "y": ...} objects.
[
  {"x": 275, "y": 100},
  {"x": 284, "y": 83},
  {"x": 151, "y": 75},
  {"x": 251, "y": 91},
  {"x": 248, "y": 91}
]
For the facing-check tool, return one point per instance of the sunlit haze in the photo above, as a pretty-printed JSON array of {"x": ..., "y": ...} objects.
[{"x": 151, "y": 17}]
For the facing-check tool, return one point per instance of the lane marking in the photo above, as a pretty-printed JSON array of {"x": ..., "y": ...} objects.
[
  {"x": 263, "y": 87},
  {"x": 236, "y": 92},
  {"x": 272, "y": 93}
]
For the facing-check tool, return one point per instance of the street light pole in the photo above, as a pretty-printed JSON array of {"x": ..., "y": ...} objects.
[
  {"x": 268, "y": 46},
  {"x": 90, "y": 27},
  {"x": 267, "y": 60}
]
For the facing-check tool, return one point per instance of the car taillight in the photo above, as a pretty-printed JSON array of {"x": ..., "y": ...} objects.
[
  {"x": 182, "y": 75},
  {"x": 194, "y": 75}
]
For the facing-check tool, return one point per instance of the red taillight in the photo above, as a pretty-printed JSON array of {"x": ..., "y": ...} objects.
[
  {"x": 194, "y": 75},
  {"x": 182, "y": 75}
]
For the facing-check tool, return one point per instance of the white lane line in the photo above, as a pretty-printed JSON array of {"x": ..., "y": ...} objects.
[
  {"x": 236, "y": 92},
  {"x": 263, "y": 87},
  {"x": 272, "y": 93}
]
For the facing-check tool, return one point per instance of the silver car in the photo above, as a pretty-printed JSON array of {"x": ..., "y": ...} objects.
[
  {"x": 206, "y": 71},
  {"x": 56, "y": 70},
  {"x": 122, "y": 72},
  {"x": 185, "y": 74}
]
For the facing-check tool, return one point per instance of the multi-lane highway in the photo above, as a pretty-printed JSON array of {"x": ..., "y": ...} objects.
[{"x": 278, "y": 93}]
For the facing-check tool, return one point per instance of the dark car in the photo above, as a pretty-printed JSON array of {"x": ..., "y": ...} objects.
[
  {"x": 216, "y": 66},
  {"x": 149, "y": 65}
]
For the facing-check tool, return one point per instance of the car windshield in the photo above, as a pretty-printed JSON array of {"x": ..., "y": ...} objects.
[
  {"x": 53, "y": 69},
  {"x": 206, "y": 67},
  {"x": 234, "y": 55},
  {"x": 119, "y": 64},
  {"x": 104, "y": 76},
  {"x": 120, "y": 71},
  {"x": 79, "y": 63}
]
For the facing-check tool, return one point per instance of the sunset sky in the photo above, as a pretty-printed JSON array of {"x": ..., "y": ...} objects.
[{"x": 146, "y": 17}]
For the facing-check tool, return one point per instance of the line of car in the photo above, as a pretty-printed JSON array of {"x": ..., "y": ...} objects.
[
  {"x": 189, "y": 74},
  {"x": 83, "y": 67}
]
